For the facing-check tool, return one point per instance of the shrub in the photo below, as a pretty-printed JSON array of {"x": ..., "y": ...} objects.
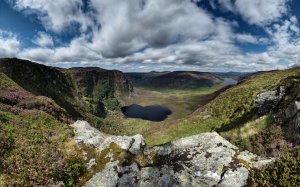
[
  {"x": 32, "y": 151},
  {"x": 112, "y": 104},
  {"x": 284, "y": 172}
]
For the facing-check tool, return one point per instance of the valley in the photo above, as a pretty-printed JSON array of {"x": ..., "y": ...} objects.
[
  {"x": 72, "y": 118},
  {"x": 182, "y": 103}
]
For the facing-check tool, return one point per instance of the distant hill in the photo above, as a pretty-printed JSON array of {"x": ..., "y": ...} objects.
[
  {"x": 234, "y": 75},
  {"x": 174, "y": 80}
]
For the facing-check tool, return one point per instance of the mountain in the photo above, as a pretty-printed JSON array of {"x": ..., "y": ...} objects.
[
  {"x": 174, "y": 80},
  {"x": 80, "y": 91},
  {"x": 255, "y": 140},
  {"x": 234, "y": 75},
  {"x": 37, "y": 104}
]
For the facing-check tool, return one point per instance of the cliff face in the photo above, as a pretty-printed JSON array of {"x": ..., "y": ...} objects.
[
  {"x": 99, "y": 84},
  {"x": 80, "y": 91}
]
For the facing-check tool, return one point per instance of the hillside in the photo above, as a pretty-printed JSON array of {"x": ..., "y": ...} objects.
[
  {"x": 174, "y": 80},
  {"x": 233, "y": 107},
  {"x": 80, "y": 91},
  {"x": 38, "y": 103}
]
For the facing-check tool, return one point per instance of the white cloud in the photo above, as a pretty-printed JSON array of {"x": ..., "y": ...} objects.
[
  {"x": 246, "y": 38},
  {"x": 56, "y": 15},
  {"x": 43, "y": 40},
  {"x": 261, "y": 12},
  {"x": 162, "y": 34},
  {"x": 76, "y": 51},
  {"x": 9, "y": 44},
  {"x": 130, "y": 25}
]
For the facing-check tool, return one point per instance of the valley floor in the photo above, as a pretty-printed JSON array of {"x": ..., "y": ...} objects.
[{"x": 181, "y": 102}]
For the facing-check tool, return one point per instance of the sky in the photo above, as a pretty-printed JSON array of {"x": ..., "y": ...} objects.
[{"x": 153, "y": 35}]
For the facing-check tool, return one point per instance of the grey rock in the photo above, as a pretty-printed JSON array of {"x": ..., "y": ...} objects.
[
  {"x": 138, "y": 144},
  {"x": 292, "y": 109},
  {"x": 106, "y": 178},
  {"x": 129, "y": 176},
  {"x": 268, "y": 100},
  {"x": 235, "y": 178},
  {"x": 84, "y": 133},
  {"x": 205, "y": 159}
]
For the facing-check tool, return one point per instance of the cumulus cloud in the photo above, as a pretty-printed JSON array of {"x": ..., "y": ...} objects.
[
  {"x": 43, "y": 40},
  {"x": 56, "y": 15},
  {"x": 128, "y": 26},
  {"x": 75, "y": 52},
  {"x": 261, "y": 12},
  {"x": 9, "y": 44},
  {"x": 162, "y": 34}
]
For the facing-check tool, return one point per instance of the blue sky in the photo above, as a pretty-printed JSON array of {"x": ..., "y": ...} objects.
[{"x": 146, "y": 35}]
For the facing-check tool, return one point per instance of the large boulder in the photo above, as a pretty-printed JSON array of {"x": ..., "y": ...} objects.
[
  {"x": 85, "y": 133},
  {"x": 205, "y": 159},
  {"x": 268, "y": 100}
]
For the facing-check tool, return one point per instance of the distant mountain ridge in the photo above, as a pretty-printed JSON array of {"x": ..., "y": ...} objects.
[{"x": 174, "y": 80}]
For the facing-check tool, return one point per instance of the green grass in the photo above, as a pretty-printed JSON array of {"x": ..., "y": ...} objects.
[
  {"x": 232, "y": 106},
  {"x": 6, "y": 83},
  {"x": 181, "y": 102},
  {"x": 32, "y": 151},
  {"x": 248, "y": 129}
]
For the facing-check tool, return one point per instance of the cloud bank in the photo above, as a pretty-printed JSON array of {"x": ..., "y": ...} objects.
[{"x": 160, "y": 34}]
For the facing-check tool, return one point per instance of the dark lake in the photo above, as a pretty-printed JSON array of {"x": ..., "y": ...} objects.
[{"x": 150, "y": 113}]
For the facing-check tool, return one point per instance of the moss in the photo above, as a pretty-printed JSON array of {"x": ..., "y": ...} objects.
[
  {"x": 245, "y": 163},
  {"x": 113, "y": 151},
  {"x": 142, "y": 160}
]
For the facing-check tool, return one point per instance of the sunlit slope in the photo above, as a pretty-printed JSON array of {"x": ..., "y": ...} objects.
[{"x": 230, "y": 109}]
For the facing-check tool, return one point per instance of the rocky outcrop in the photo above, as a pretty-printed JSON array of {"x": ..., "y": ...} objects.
[
  {"x": 84, "y": 133},
  {"x": 205, "y": 159},
  {"x": 268, "y": 100}
]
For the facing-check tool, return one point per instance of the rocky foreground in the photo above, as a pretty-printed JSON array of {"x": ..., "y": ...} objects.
[{"x": 205, "y": 159}]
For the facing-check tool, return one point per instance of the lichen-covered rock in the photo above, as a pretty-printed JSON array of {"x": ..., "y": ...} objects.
[
  {"x": 268, "y": 100},
  {"x": 84, "y": 133},
  {"x": 106, "y": 178},
  {"x": 205, "y": 159},
  {"x": 234, "y": 177},
  {"x": 129, "y": 175}
]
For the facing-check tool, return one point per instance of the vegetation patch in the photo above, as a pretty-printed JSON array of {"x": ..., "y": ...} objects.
[
  {"x": 32, "y": 151},
  {"x": 284, "y": 172},
  {"x": 231, "y": 108}
]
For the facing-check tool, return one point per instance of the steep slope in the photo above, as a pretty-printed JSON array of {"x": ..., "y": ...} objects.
[
  {"x": 37, "y": 104},
  {"x": 95, "y": 85},
  {"x": 174, "y": 80},
  {"x": 261, "y": 114},
  {"x": 36, "y": 148},
  {"x": 80, "y": 91},
  {"x": 232, "y": 108}
]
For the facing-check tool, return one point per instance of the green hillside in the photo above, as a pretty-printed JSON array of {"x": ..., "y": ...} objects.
[{"x": 231, "y": 109}]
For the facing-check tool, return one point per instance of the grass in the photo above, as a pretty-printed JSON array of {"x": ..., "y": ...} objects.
[
  {"x": 6, "y": 83},
  {"x": 181, "y": 102},
  {"x": 32, "y": 151},
  {"x": 248, "y": 129},
  {"x": 229, "y": 107}
]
